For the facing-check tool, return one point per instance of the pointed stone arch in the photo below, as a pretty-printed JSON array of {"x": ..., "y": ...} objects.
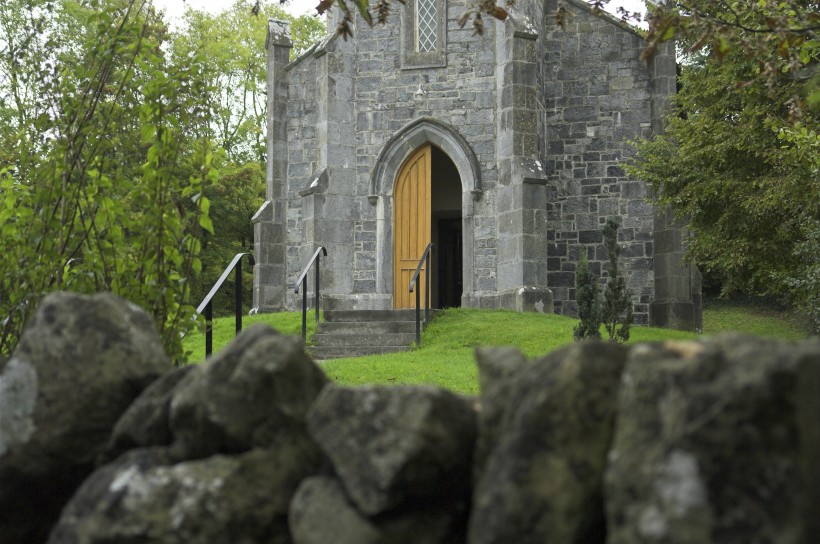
[
  {"x": 410, "y": 138},
  {"x": 382, "y": 184}
]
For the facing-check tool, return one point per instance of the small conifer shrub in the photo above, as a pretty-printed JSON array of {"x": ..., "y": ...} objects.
[
  {"x": 586, "y": 298},
  {"x": 616, "y": 309}
]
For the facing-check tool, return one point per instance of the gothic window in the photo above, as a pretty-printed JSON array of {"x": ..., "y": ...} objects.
[
  {"x": 424, "y": 33},
  {"x": 425, "y": 26}
]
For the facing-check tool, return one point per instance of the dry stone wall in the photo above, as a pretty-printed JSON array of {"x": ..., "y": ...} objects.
[{"x": 715, "y": 441}]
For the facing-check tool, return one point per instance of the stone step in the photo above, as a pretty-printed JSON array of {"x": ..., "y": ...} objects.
[
  {"x": 366, "y": 327},
  {"x": 355, "y": 333},
  {"x": 364, "y": 340},
  {"x": 320, "y": 353},
  {"x": 373, "y": 315}
]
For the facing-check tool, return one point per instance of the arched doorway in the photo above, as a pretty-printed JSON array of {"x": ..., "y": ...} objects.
[
  {"x": 395, "y": 154},
  {"x": 427, "y": 207}
]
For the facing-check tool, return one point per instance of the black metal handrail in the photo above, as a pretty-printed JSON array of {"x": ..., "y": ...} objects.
[
  {"x": 425, "y": 260},
  {"x": 207, "y": 302},
  {"x": 303, "y": 282}
]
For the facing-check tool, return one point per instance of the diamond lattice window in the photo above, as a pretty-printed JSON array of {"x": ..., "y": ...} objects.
[{"x": 426, "y": 25}]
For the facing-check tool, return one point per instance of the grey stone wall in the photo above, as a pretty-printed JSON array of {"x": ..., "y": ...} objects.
[
  {"x": 597, "y": 98},
  {"x": 302, "y": 118},
  {"x": 537, "y": 121},
  {"x": 385, "y": 98}
]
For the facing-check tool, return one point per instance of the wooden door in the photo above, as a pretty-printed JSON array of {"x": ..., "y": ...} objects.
[{"x": 411, "y": 233}]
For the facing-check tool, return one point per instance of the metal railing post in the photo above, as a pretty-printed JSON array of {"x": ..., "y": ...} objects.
[
  {"x": 418, "y": 317},
  {"x": 303, "y": 282},
  {"x": 238, "y": 297},
  {"x": 304, "y": 309},
  {"x": 415, "y": 285},
  {"x": 427, "y": 290},
  {"x": 316, "y": 296},
  {"x": 206, "y": 306},
  {"x": 209, "y": 329}
]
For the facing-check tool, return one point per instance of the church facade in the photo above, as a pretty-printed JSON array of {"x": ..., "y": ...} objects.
[{"x": 505, "y": 150}]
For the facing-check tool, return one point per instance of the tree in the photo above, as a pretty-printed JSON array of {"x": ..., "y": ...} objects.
[
  {"x": 802, "y": 281},
  {"x": 231, "y": 45},
  {"x": 586, "y": 297},
  {"x": 732, "y": 164},
  {"x": 99, "y": 126},
  {"x": 235, "y": 197},
  {"x": 616, "y": 309},
  {"x": 780, "y": 37}
]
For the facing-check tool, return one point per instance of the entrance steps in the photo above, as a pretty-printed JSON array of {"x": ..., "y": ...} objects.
[{"x": 355, "y": 333}]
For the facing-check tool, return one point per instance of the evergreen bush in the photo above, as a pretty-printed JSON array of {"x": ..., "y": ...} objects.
[
  {"x": 586, "y": 298},
  {"x": 616, "y": 309}
]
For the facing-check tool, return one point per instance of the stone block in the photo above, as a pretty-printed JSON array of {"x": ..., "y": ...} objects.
[
  {"x": 711, "y": 443},
  {"x": 79, "y": 364},
  {"x": 393, "y": 445},
  {"x": 364, "y": 286},
  {"x": 590, "y": 236},
  {"x": 543, "y": 479},
  {"x": 561, "y": 279}
]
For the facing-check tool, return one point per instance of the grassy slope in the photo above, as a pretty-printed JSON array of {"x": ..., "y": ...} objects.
[
  {"x": 224, "y": 330},
  {"x": 751, "y": 318},
  {"x": 446, "y": 355}
]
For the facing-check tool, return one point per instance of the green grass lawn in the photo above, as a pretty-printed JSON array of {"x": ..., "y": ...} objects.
[
  {"x": 224, "y": 330},
  {"x": 751, "y": 317},
  {"x": 445, "y": 357}
]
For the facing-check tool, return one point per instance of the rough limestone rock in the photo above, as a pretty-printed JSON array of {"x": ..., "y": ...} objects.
[
  {"x": 146, "y": 422},
  {"x": 255, "y": 392},
  {"x": 79, "y": 364},
  {"x": 320, "y": 513},
  {"x": 717, "y": 442},
  {"x": 496, "y": 367},
  {"x": 424, "y": 525},
  {"x": 543, "y": 481},
  {"x": 240, "y": 499},
  {"x": 390, "y": 445}
]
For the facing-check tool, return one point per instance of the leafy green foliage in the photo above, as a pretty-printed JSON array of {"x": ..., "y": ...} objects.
[
  {"x": 616, "y": 308},
  {"x": 735, "y": 164},
  {"x": 102, "y": 172},
  {"x": 777, "y": 37},
  {"x": 804, "y": 282},
  {"x": 586, "y": 298},
  {"x": 235, "y": 196},
  {"x": 230, "y": 45}
]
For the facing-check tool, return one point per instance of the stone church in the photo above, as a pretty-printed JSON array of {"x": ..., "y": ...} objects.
[{"x": 505, "y": 150}]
